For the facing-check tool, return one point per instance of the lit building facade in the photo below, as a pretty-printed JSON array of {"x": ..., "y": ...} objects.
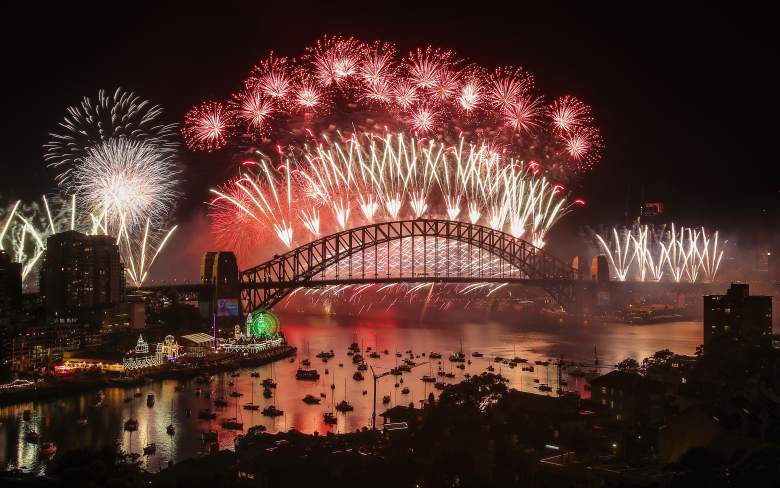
[{"x": 738, "y": 316}]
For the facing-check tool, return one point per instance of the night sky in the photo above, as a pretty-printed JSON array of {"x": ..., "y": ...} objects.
[{"x": 686, "y": 100}]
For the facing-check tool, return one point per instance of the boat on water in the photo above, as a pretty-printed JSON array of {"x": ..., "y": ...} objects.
[
  {"x": 498, "y": 359},
  {"x": 329, "y": 418},
  {"x": 458, "y": 357},
  {"x": 49, "y": 449},
  {"x": 256, "y": 429},
  {"x": 477, "y": 354},
  {"x": 491, "y": 368},
  {"x": 220, "y": 402},
  {"x": 98, "y": 399},
  {"x": 306, "y": 363},
  {"x": 170, "y": 430},
  {"x": 362, "y": 367},
  {"x": 232, "y": 424},
  {"x": 272, "y": 411},
  {"x": 307, "y": 374},
  {"x": 267, "y": 393},
  {"x": 375, "y": 355},
  {"x": 344, "y": 406},
  {"x": 252, "y": 405},
  {"x": 131, "y": 425},
  {"x": 439, "y": 385},
  {"x": 236, "y": 394},
  {"x": 461, "y": 366},
  {"x": 206, "y": 414},
  {"x": 31, "y": 436},
  {"x": 428, "y": 379},
  {"x": 150, "y": 400},
  {"x": 386, "y": 399},
  {"x": 357, "y": 359},
  {"x": 326, "y": 354},
  {"x": 311, "y": 400},
  {"x": 268, "y": 383},
  {"x": 449, "y": 375},
  {"x": 358, "y": 376},
  {"x": 518, "y": 359},
  {"x": 254, "y": 374},
  {"x": 434, "y": 355},
  {"x": 405, "y": 391},
  {"x": 544, "y": 387}
]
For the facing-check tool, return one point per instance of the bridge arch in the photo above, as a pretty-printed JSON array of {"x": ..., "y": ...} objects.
[{"x": 263, "y": 286}]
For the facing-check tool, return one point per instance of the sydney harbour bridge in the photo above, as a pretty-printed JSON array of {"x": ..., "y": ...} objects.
[{"x": 417, "y": 251}]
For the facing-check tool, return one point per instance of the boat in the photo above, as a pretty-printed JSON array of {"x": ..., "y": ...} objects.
[
  {"x": 536, "y": 380},
  {"x": 311, "y": 400},
  {"x": 49, "y": 449},
  {"x": 491, "y": 368},
  {"x": 398, "y": 354},
  {"x": 170, "y": 430},
  {"x": 306, "y": 363},
  {"x": 232, "y": 424},
  {"x": 428, "y": 379},
  {"x": 396, "y": 372},
  {"x": 209, "y": 436},
  {"x": 357, "y": 359},
  {"x": 467, "y": 376},
  {"x": 272, "y": 411},
  {"x": 374, "y": 355},
  {"x": 545, "y": 387},
  {"x": 362, "y": 367},
  {"x": 268, "y": 383},
  {"x": 477, "y": 354},
  {"x": 458, "y": 357},
  {"x": 461, "y": 366},
  {"x": 97, "y": 400},
  {"x": 131, "y": 425},
  {"x": 410, "y": 363},
  {"x": 252, "y": 405},
  {"x": 386, "y": 399},
  {"x": 326, "y": 354},
  {"x": 150, "y": 400},
  {"x": 405, "y": 368},
  {"x": 499, "y": 359},
  {"x": 236, "y": 394},
  {"x": 150, "y": 449},
  {"x": 449, "y": 375},
  {"x": 254, "y": 374},
  {"x": 439, "y": 385},
  {"x": 256, "y": 429},
  {"x": 434, "y": 355},
  {"x": 206, "y": 414},
  {"x": 385, "y": 352},
  {"x": 518, "y": 359},
  {"x": 512, "y": 364},
  {"x": 220, "y": 402},
  {"x": 307, "y": 375},
  {"x": 405, "y": 391},
  {"x": 365, "y": 392},
  {"x": 354, "y": 347},
  {"x": 267, "y": 393},
  {"x": 358, "y": 376},
  {"x": 31, "y": 436},
  {"x": 329, "y": 418}
]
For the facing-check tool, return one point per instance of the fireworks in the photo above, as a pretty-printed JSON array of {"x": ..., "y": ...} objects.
[
  {"x": 118, "y": 160},
  {"x": 24, "y": 230},
  {"x": 206, "y": 126},
  {"x": 429, "y": 91},
  {"x": 679, "y": 254},
  {"x": 126, "y": 181},
  {"x": 119, "y": 115},
  {"x": 333, "y": 185}
]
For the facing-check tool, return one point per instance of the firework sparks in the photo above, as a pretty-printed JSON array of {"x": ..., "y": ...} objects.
[{"x": 206, "y": 126}]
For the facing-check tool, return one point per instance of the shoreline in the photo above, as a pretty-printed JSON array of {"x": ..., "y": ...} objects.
[{"x": 80, "y": 386}]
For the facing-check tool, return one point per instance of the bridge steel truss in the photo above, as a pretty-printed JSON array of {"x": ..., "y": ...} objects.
[{"x": 263, "y": 286}]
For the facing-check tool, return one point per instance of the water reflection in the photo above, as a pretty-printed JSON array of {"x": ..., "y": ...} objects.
[{"x": 58, "y": 420}]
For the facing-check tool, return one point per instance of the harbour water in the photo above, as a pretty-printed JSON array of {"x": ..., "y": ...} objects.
[{"x": 58, "y": 420}]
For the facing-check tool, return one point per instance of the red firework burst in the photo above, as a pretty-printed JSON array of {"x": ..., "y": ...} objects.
[
  {"x": 507, "y": 85},
  {"x": 206, "y": 126},
  {"x": 524, "y": 115},
  {"x": 569, "y": 113},
  {"x": 252, "y": 108}
]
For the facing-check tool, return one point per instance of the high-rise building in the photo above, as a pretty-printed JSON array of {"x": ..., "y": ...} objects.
[
  {"x": 738, "y": 316},
  {"x": 10, "y": 284},
  {"x": 81, "y": 274}
]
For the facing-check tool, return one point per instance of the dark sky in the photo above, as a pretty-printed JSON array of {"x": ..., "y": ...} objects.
[{"x": 686, "y": 100}]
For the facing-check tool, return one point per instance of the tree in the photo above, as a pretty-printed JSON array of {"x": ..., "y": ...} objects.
[{"x": 628, "y": 364}]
